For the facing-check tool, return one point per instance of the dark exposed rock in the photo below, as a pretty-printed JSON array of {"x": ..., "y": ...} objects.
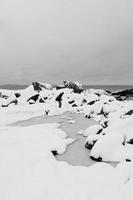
[
  {"x": 99, "y": 159},
  {"x": 31, "y": 102},
  {"x": 102, "y": 112},
  {"x": 58, "y": 87},
  {"x": 74, "y": 105},
  {"x": 47, "y": 112},
  {"x": 128, "y": 160},
  {"x": 124, "y": 94},
  {"x": 14, "y": 101},
  {"x": 39, "y": 86},
  {"x": 45, "y": 98},
  {"x": 54, "y": 152},
  {"x": 4, "y": 105},
  {"x": 130, "y": 141},
  {"x": 59, "y": 97},
  {"x": 4, "y": 96},
  {"x": 105, "y": 114},
  {"x": 91, "y": 103},
  {"x": 130, "y": 112},
  {"x": 87, "y": 116},
  {"x": 70, "y": 102},
  {"x": 107, "y": 91},
  {"x": 124, "y": 141},
  {"x": 34, "y": 98},
  {"x": 120, "y": 98},
  {"x": 97, "y": 94},
  {"x": 105, "y": 124},
  {"x": 77, "y": 88},
  {"x": 90, "y": 145},
  {"x": 17, "y": 95},
  {"x": 84, "y": 101},
  {"x": 41, "y": 100},
  {"x": 100, "y": 130}
]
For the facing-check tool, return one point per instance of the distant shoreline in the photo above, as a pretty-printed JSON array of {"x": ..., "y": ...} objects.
[
  {"x": 105, "y": 87},
  {"x": 13, "y": 87}
]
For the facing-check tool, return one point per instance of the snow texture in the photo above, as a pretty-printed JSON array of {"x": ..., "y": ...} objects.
[{"x": 28, "y": 168}]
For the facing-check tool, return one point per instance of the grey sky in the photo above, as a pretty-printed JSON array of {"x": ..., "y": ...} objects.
[{"x": 53, "y": 40}]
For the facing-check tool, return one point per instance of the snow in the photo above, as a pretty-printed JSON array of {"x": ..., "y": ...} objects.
[
  {"x": 80, "y": 132},
  {"x": 28, "y": 168},
  {"x": 95, "y": 104},
  {"x": 92, "y": 130}
]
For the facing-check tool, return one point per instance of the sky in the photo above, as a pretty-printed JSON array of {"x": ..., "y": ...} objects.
[{"x": 54, "y": 40}]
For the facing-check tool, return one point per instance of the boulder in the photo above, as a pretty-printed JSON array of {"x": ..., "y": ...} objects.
[
  {"x": 17, "y": 95},
  {"x": 54, "y": 152},
  {"x": 90, "y": 145},
  {"x": 31, "y": 101},
  {"x": 59, "y": 97},
  {"x": 40, "y": 86},
  {"x": 130, "y": 112},
  {"x": 91, "y": 102},
  {"x": 99, "y": 159},
  {"x": 34, "y": 98},
  {"x": 15, "y": 102},
  {"x": 128, "y": 160},
  {"x": 74, "y": 105},
  {"x": 76, "y": 86},
  {"x": 70, "y": 102},
  {"x": 130, "y": 141},
  {"x": 124, "y": 94}
]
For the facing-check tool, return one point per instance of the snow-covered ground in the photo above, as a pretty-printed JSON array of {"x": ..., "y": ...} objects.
[
  {"x": 114, "y": 117},
  {"x": 28, "y": 168}
]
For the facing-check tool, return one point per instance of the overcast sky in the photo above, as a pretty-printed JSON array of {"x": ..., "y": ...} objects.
[{"x": 54, "y": 40}]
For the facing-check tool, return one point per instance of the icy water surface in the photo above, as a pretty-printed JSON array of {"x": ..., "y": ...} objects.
[{"x": 71, "y": 123}]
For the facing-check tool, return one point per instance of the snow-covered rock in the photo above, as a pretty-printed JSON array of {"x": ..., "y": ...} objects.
[
  {"x": 114, "y": 117},
  {"x": 76, "y": 86},
  {"x": 28, "y": 169},
  {"x": 40, "y": 86},
  {"x": 95, "y": 129}
]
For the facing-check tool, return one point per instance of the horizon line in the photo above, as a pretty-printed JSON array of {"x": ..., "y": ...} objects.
[{"x": 11, "y": 84}]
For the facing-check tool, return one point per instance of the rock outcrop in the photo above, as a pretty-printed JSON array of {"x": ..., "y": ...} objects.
[
  {"x": 35, "y": 98},
  {"x": 76, "y": 86},
  {"x": 40, "y": 86},
  {"x": 124, "y": 94}
]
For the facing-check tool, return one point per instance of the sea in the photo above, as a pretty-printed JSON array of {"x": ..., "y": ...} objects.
[
  {"x": 109, "y": 87},
  {"x": 85, "y": 87}
]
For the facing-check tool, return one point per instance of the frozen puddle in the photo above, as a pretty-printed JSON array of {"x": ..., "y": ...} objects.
[{"x": 76, "y": 153}]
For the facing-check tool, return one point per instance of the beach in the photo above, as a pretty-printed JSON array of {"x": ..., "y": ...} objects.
[{"x": 57, "y": 150}]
